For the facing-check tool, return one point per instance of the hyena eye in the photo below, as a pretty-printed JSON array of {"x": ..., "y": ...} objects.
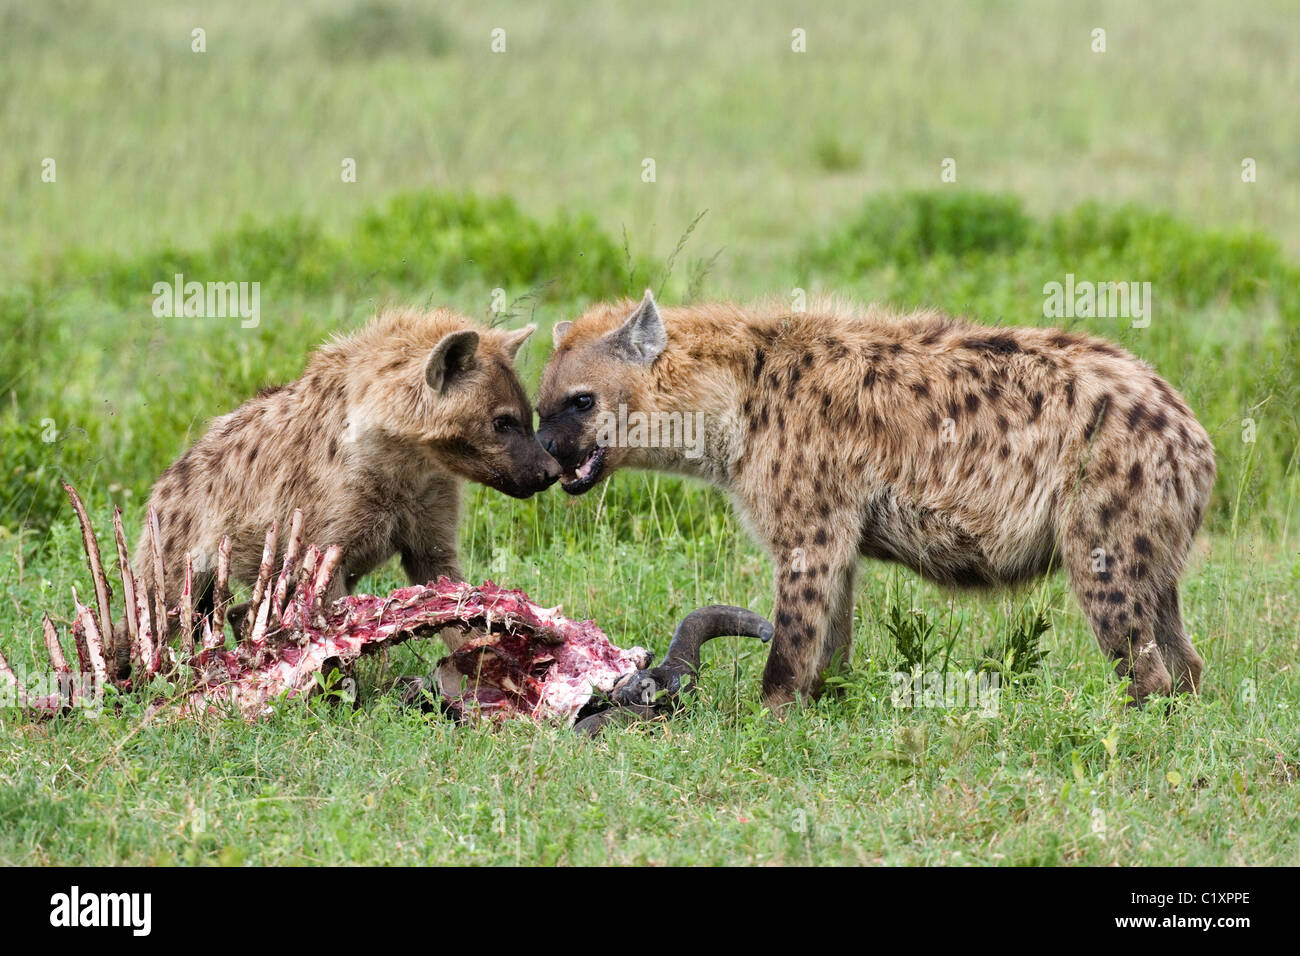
[
  {"x": 504, "y": 423},
  {"x": 583, "y": 402}
]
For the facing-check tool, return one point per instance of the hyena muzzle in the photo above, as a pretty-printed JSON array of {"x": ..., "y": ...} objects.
[{"x": 976, "y": 456}]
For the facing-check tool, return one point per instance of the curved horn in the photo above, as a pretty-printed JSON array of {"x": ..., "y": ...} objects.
[
  {"x": 645, "y": 687},
  {"x": 706, "y": 623}
]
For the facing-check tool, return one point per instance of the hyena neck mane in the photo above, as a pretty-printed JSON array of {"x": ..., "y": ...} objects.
[
  {"x": 696, "y": 396},
  {"x": 742, "y": 370}
]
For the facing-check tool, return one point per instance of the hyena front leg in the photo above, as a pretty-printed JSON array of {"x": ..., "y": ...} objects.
[
  {"x": 1185, "y": 665},
  {"x": 813, "y": 619},
  {"x": 424, "y": 565}
]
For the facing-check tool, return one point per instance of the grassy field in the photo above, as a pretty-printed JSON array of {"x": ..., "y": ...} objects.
[{"x": 522, "y": 171}]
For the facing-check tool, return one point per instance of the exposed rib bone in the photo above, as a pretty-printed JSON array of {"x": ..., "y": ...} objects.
[
  {"x": 54, "y": 649},
  {"x": 8, "y": 677},
  {"x": 187, "y": 608},
  {"x": 88, "y": 540},
  {"x": 79, "y": 641},
  {"x": 325, "y": 573},
  {"x": 128, "y": 579},
  {"x": 259, "y": 626},
  {"x": 160, "y": 627},
  {"x": 306, "y": 578},
  {"x": 263, "y": 576},
  {"x": 144, "y": 646},
  {"x": 290, "y": 564},
  {"x": 94, "y": 645},
  {"x": 221, "y": 587}
]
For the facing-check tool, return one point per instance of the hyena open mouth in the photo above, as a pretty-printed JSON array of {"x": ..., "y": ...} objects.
[
  {"x": 585, "y": 476},
  {"x": 523, "y": 660}
]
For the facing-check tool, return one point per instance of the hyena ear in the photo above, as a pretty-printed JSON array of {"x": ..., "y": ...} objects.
[
  {"x": 559, "y": 331},
  {"x": 453, "y": 354},
  {"x": 513, "y": 340},
  {"x": 642, "y": 337}
]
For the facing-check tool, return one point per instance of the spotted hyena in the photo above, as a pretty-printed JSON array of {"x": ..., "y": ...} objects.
[
  {"x": 974, "y": 455},
  {"x": 373, "y": 443}
]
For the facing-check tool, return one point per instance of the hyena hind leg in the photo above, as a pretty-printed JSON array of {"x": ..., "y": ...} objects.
[
  {"x": 1180, "y": 656},
  {"x": 1120, "y": 604}
]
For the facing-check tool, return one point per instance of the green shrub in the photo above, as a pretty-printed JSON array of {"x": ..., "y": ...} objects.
[
  {"x": 375, "y": 29},
  {"x": 907, "y": 229},
  {"x": 459, "y": 239},
  {"x": 834, "y": 155},
  {"x": 37, "y": 457},
  {"x": 1195, "y": 266},
  {"x": 290, "y": 256},
  {"x": 414, "y": 242}
]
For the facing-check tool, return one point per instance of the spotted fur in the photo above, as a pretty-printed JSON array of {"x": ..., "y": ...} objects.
[
  {"x": 976, "y": 456},
  {"x": 373, "y": 443}
]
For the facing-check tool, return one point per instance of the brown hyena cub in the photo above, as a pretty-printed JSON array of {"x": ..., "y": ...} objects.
[
  {"x": 974, "y": 455},
  {"x": 372, "y": 443}
]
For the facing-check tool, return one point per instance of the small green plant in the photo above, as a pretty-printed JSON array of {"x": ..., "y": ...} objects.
[
  {"x": 335, "y": 687},
  {"x": 912, "y": 632},
  {"x": 1018, "y": 657}
]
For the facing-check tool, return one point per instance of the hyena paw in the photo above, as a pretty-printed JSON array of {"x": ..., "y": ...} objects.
[{"x": 1149, "y": 675}]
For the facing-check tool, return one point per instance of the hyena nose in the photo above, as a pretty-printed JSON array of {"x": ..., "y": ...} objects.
[
  {"x": 548, "y": 442},
  {"x": 550, "y": 471}
]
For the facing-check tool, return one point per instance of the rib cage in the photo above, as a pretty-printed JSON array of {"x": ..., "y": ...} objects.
[{"x": 289, "y": 635}]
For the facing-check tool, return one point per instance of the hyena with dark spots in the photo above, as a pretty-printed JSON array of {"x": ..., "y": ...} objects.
[
  {"x": 976, "y": 456},
  {"x": 373, "y": 443}
]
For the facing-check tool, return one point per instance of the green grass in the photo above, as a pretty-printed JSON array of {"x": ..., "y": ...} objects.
[
  {"x": 188, "y": 144},
  {"x": 519, "y": 172},
  {"x": 851, "y": 779}
]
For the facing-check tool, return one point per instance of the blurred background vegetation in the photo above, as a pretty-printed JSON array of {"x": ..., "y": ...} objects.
[{"x": 522, "y": 170}]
